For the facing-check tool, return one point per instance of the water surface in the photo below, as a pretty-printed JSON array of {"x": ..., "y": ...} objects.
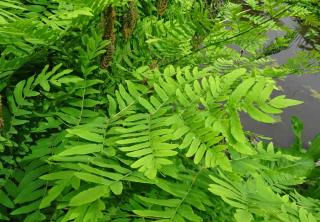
[{"x": 295, "y": 87}]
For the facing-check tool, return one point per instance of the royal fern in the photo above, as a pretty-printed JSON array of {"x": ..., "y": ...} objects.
[{"x": 137, "y": 116}]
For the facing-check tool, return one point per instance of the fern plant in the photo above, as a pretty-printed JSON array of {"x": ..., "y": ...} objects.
[{"x": 140, "y": 120}]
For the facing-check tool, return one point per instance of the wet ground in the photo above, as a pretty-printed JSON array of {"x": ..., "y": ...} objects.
[{"x": 296, "y": 87}]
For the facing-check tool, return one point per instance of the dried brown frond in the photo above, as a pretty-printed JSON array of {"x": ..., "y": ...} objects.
[
  {"x": 162, "y": 6},
  {"x": 129, "y": 20},
  {"x": 109, "y": 34}
]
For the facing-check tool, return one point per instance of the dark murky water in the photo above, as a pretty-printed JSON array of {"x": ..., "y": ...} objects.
[{"x": 295, "y": 87}]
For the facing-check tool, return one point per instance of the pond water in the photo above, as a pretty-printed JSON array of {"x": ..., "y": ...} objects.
[{"x": 295, "y": 87}]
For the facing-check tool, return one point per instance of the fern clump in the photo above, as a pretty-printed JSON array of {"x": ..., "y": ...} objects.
[{"x": 131, "y": 111}]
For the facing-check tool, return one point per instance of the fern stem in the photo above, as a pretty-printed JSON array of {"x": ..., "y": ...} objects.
[
  {"x": 194, "y": 179},
  {"x": 82, "y": 100}
]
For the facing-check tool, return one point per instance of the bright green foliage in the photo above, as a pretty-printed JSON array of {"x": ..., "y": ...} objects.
[{"x": 157, "y": 135}]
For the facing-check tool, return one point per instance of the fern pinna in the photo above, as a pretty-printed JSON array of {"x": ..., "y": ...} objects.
[{"x": 154, "y": 133}]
